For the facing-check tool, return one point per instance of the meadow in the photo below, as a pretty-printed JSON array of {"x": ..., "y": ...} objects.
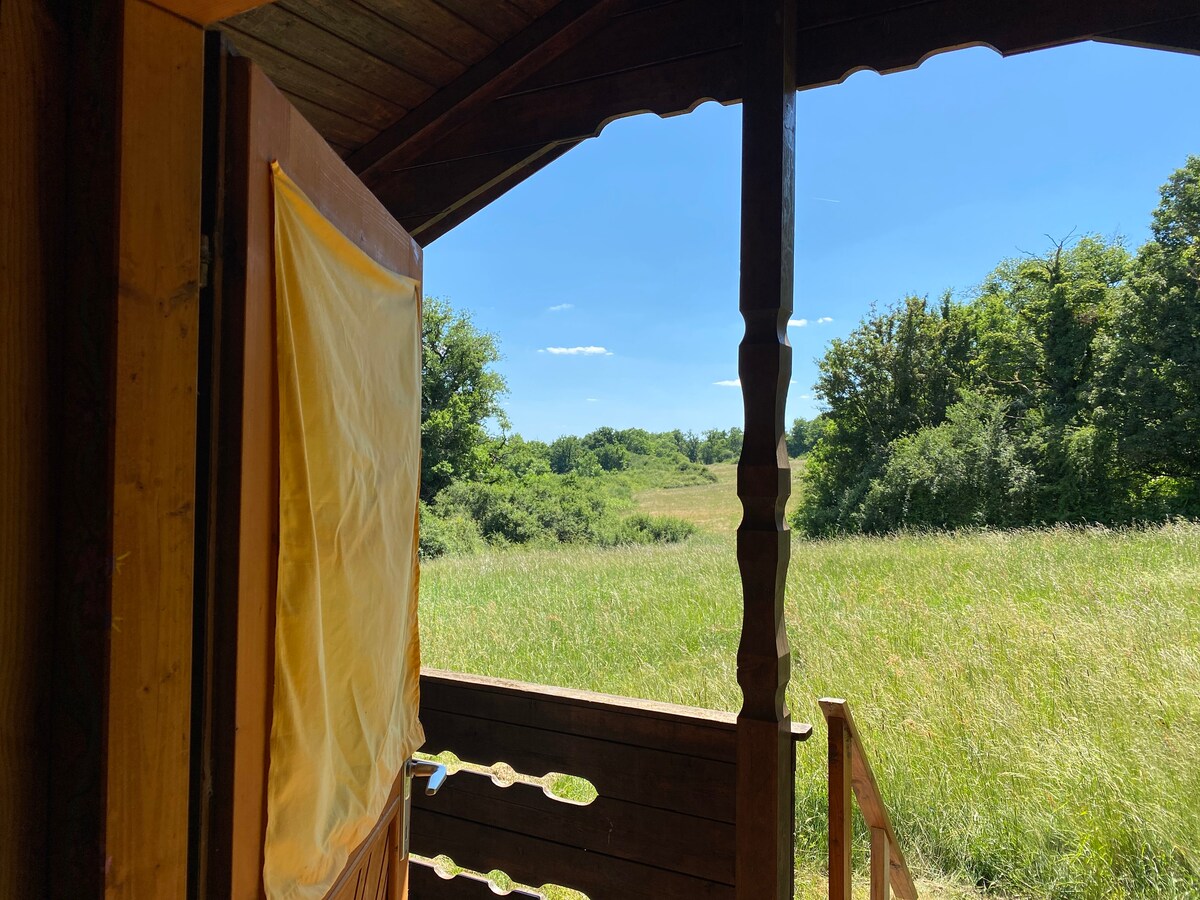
[{"x": 1030, "y": 699}]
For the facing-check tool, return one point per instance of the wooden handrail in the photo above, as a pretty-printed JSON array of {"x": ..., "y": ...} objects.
[{"x": 849, "y": 770}]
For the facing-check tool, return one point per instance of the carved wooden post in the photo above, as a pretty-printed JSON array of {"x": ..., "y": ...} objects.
[{"x": 765, "y": 756}]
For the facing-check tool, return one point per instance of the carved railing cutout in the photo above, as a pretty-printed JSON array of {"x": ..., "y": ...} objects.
[
  {"x": 558, "y": 786},
  {"x": 496, "y": 881}
]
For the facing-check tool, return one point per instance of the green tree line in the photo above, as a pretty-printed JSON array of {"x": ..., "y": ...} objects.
[
  {"x": 481, "y": 489},
  {"x": 1065, "y": 390}
]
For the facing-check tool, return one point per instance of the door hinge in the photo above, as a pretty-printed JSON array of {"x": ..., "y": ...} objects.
[{"x": 205, "y": 260}]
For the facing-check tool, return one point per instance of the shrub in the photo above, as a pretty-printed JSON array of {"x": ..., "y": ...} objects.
[
  {"x": 441, "y": 535},
  {"x": 644, "y": 529}
]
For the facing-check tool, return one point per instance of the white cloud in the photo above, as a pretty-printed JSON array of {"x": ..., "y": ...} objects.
[
  {"x": 824, "y": 320},
  {"x": 797, "y": 323},
  {"x": 729, "y": 382},
  {"x": 577, "y": 351},
  {"x": 827, "y": 200},
  {"x": 593, "y": 400},
  {"x": 560, "y": 307},
  {"x": 806, "y": 396}
]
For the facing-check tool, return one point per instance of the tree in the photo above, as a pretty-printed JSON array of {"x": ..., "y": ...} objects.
[
  {"x": 460, "y": 393},
  {"x": 1149, "y": 392}
]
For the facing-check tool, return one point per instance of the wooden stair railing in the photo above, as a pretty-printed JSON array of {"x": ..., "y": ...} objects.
[{"x": 849, "y": 770}]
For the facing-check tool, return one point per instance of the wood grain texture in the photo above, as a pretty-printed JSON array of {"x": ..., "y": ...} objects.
[
  {"x": 278, "y": 26},
  {"x": 661, "y": 826},
  {"x": 881, "y": 867},
  {"x": 841, "y": 811},
  {"x": 261, "y": 126},
  {"x": 149, "y": 700},
  {"x": 303, "y": 79},
  {"x": 83, "y": 429},
  {"x": 33, "y": 106},
  {"x": 866, "y": 791},
  {"x": 458, "y": 101},
  {"x": 537, "y": 861},
  {"x": 427, "y": 884},
  {"x": 439, "y": 27},
  {"x": 379, "y": 37},
  {"x": 766, "y": 762},
  {"x": 206, "y": 12}
]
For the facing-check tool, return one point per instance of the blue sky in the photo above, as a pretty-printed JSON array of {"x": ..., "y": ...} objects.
[{"x": 625, "y": 251}]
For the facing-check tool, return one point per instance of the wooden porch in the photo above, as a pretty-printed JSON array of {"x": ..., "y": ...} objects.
[{"x": 438, "y": 107}]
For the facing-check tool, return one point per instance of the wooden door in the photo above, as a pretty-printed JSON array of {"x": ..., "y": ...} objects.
[{"x": 250, "y": 123}]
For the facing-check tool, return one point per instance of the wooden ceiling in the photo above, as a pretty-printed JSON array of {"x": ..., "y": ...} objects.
[{"x": 443, "y": 105}]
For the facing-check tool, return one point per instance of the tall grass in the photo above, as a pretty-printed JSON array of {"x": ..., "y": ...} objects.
[{"x": 1030, "y": 700}]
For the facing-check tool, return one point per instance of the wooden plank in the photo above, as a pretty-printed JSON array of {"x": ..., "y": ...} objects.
[
  {"x": 841, "y": 811},
  {"x": 262, "y": 127},
  {"x": 501, "y": 71},
  {"x": 378, "y": 36},
  {"x": 430, "y": 207},
  {"x": 866, "y": 791},
  {"x": 306, "y": 80},
  {"x": 881, "y": 884},
  {"x": 426, "y": 884},
  {"x": 1180, "y": 35},
  {"x": 642, "y": 38},
  {"x": 437, "y": 26},
  {"x": 366, "y": 872},
  {"x": 33, "y": 157},
  {"x": 621, "y": 829},
  {"x": 500, "y": 20},
  {"x": 581, "y": 109},
  {"x": 705, "y": 733},
  {"x": 338, "y": 129},
  {"x": 428, "y": 226},
  {"x": 695, "y": 786},
  {"x": 275, "y": 25},
  {"x": 206, "y": 12},
  {"x": 87, "y": 337},
  {"x": 535, "y": 861},
  {"x": 766, "y": 765},
  {"x": 899, "y": 38},
  {"x": 149, "y": 700}
]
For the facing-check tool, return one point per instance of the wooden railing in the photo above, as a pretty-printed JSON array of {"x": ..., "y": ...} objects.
[
  {"x": 661, "y": 826},
  {"x": 849, "y": 770}
]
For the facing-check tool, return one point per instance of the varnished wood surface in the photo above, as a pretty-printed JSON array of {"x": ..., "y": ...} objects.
[
  {"x": 766, "y": 761},
  {"x": 373, "y": 870},
  {"x": 841, "y": 811},
  {"x": 523, "y": 81},
  {"x": 662, "y": 825},
  {"x": 149, "y": 702},
  {"x": 426, "y": 884},
  {"x": 261, "y": 126},
  {"x": 855, "y": 766},
  {"x": 32, "y": 158}
]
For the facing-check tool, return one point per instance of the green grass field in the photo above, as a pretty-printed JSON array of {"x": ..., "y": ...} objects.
[{"x": 1030, "y": 700}]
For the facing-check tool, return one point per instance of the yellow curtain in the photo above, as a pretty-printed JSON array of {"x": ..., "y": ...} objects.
[{"x": 347, "y": 659}]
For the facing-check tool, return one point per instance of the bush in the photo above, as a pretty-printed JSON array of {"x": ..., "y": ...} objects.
[
  {"x": 644, "y": 529},
  {"x": 441, "y": 535},
  {"x": 543, "y": 508}
]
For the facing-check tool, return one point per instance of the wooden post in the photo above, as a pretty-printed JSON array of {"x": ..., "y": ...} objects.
[
  {"x": 840, "y": 809},
  {"x": 765, "y": 756},
  {"x": 881, "y": 865}
]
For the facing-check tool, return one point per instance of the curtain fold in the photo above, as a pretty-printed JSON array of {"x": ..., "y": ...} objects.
[{"x": 347, "y": 657}]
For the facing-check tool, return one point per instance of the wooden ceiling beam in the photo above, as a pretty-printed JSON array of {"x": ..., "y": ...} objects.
[
  {"x": 902, "y": 38},
  {"x": 668, "y": 57},
  {"x": 553, "y": 34},
  {"x": 1180, "y": 35},
  {"x": 206, "y": 12}
]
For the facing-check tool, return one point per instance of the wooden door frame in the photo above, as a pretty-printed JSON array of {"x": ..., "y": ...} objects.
[{"x": 252, "y": 125}]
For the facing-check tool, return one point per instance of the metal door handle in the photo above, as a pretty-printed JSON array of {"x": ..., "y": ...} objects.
[{"x": 434, "y": 771}]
